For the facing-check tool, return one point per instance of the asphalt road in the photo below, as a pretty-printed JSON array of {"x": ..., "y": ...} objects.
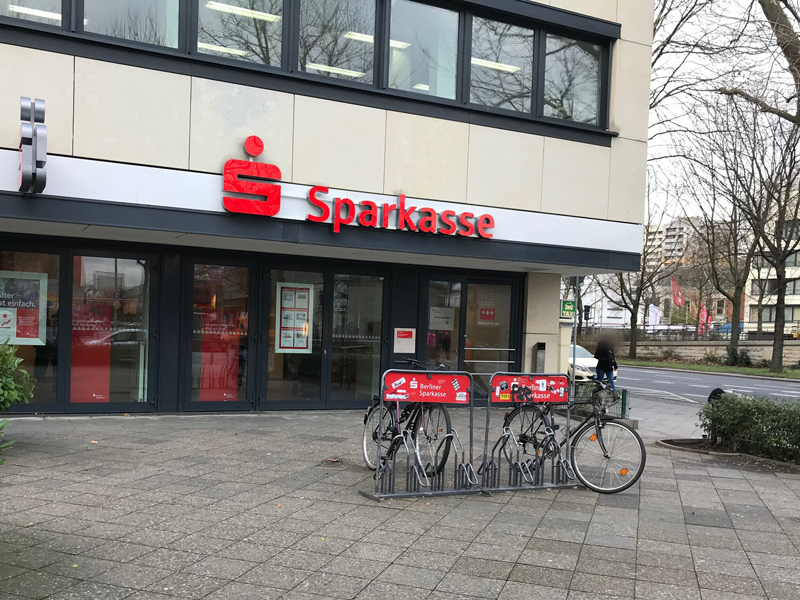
[{"x": 693, "y": 387}]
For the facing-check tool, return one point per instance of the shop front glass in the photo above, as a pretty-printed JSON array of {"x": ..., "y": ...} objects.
[
  {"x": 220, "y": 326},
  {"x": 110, "y": 330},
  {"x": 356, "y": 357},
  {"x": 29, "y": 316},
  {"x": 295, "y": 337},
  {"x": 488, "y": 333},
  {"x": 444, "y": 323}
]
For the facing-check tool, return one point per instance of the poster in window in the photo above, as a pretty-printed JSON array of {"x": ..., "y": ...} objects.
[
  {"x": 90, "y": 379},
  {"x": 294, "y": 319},
  {"x": 23, "y": 308},
  {"x": 219, "y": 365}
]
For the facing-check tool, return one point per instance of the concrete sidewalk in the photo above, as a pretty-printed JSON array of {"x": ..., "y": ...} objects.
[{"x": 250, "y": 507}]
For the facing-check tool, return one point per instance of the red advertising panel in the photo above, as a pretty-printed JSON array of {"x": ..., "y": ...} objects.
[
  {"x": 525, "y": 388},
  {"x": 28, "y": 323},
  {"x": 91, "y": 353},
  {"x": 219, "y": 363},
  {"x": 423, "y": 386}
]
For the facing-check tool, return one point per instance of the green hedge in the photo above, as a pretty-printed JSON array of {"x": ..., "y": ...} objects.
[{"x": 754, "y": 425}]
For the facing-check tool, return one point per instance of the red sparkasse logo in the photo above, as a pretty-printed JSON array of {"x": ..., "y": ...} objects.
[{"x": 250, "y": 177}]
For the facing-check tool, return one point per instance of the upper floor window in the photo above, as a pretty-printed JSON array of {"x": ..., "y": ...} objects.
[
  {"x": 572, "y": 80},
  {"x": 148, "y": 21},
  {"x": 501, "y": 65},
  {"x": 337, "y": 38},
  {"x": 423, "y": 49},
  {"x": 40, "y": 11},
  {"x": 249, "y": 30}
]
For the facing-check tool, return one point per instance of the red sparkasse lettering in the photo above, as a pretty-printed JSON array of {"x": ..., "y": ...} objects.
[
  {"x": 386, "y": 210},
  {"x": 338, "y": 220},
  {"x": 427, "y": 221},
  {"x": 270, "y": 192},
  {"x": 312, "y": 197},
  {"x": 369, "y": 214},
  {"x": 447, "y": 221},
  {"x": 485, "y": 222},
  {"x": 469, "y": 228},
  {"x": 403, "y": 215}
]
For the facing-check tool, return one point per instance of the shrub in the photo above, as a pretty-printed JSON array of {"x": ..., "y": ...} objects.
[
  {"x": 767, "y": 364},
  {"x": 754, "y": 425},
  {"x": 6, "y": 445},
  {"x": 710, "y": 357},
  {"x": 16, "y": 386},
  {"x": 669, "y": 354},
  {"x": 738, "y": 358}
]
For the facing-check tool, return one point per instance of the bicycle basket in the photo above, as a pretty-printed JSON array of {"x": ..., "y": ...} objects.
[{"x": 606, "y": 398}]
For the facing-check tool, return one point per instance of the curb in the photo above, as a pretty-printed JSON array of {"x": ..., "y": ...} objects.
[
  {"x": 762, "y": 377},
  {"x": 668, "y": 446}
]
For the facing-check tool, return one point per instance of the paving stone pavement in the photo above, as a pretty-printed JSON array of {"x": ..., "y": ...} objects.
[{"x": 229, "y": 507}]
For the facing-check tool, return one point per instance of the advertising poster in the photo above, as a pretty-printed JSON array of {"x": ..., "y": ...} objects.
[
  {"x": 23, "y": 308},
  {"x": 294, "y": 318},
  {"x": 219, "y": 364},
  {"x": 91, "y": 353}
]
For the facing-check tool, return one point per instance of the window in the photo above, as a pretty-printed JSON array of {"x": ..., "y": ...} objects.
[
  {"x": 791, "y": 313},
  {"x": 110, "y": 299},
  {"x": 337, "y": 38},
  {"x": 149, "y": 21},
  {"x": 720, "y": 308},
  {"x": 572, "y": 80},
  {"x": 29, "y": 316},
  {"x": 248, "y": 30},
  {"x": 501, "y": 70},
  {"x": 423, "y": 47},
  {"x": 39, "y": 11}
]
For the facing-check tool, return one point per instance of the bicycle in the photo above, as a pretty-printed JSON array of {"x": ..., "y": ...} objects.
[
  {"x": 606, "y": 454},
  {"x": 428, "y": 425}
]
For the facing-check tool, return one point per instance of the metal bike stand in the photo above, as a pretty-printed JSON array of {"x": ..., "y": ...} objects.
[
  {"x": 504, "y": 467},
  {"x": 418, "y": 482}
]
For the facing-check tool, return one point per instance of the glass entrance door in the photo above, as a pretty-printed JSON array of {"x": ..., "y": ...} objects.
[
  {"x": 488, "y": 338},
  {"x": 444, "y": 323},
  {"x": 220, "y": 337},
  {"x": 357, "y": 339}
]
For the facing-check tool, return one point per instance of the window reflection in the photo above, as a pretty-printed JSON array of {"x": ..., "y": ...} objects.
[
  {"x": 337, "y": 38},
  {"x": 501, "y": 72},
  {"x": 423, "y": 49},
  {"x": 572, "y": 80},
  {"x": 39, "y": 11},
  {"x": 148, "y": 21},
  {"x": 248, "y": 30}
]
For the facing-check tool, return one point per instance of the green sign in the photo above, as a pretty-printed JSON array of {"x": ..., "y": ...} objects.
[{"x": 568, "y": 309}]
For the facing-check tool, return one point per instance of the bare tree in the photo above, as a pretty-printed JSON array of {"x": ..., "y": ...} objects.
[
  {"x": 717, "y": 180},
  {"x": 631, "y": 290}
]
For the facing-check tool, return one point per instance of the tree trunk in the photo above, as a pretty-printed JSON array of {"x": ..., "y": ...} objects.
[
  {"x": 634, "y": 331},
  {"x": 780, "y": 322},
  {"x": 737, "y": 303}
]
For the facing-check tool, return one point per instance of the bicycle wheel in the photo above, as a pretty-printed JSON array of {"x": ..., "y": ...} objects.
[
  {"x": 374, "y": 428},
  {"x": 624, "y": 464},
  {"x": 526, "y": 424},
  {"x": 430, "y": 435}
]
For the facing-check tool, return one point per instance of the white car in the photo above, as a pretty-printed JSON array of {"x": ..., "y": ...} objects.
[{"x": 585, "y": 364}]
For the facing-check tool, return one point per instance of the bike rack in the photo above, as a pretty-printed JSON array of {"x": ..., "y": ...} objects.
[
  {"x": 443, "y": 387},
  {"x": 504, "y": 467}
]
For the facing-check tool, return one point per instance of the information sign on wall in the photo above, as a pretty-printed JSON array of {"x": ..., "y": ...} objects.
[
  {"x": 294, "y": 318},
  {"x": 405, "y": 340},
  {"x": 23, "y": 308},
  {"x": 442, "y": 318}
]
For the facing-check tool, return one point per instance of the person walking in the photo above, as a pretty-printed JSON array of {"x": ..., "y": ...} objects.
[{"x": 606, "y": 360}]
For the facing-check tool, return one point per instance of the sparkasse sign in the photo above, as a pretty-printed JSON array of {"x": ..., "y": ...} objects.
[{"x": 259, "y": 179}]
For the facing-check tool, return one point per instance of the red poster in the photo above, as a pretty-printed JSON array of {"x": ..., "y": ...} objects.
[
  {"x": 487, "y": 314},
  {"x": 528, "y": 387},
  {"x": 91, "y": 353},
  {"x": 219, "y": 363},
  {"x": 416, "y": 386},
  {"x": 28, "y": 323}
]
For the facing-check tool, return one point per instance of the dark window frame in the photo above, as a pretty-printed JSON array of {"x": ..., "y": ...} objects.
[{"x": 70, "y": 37}]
